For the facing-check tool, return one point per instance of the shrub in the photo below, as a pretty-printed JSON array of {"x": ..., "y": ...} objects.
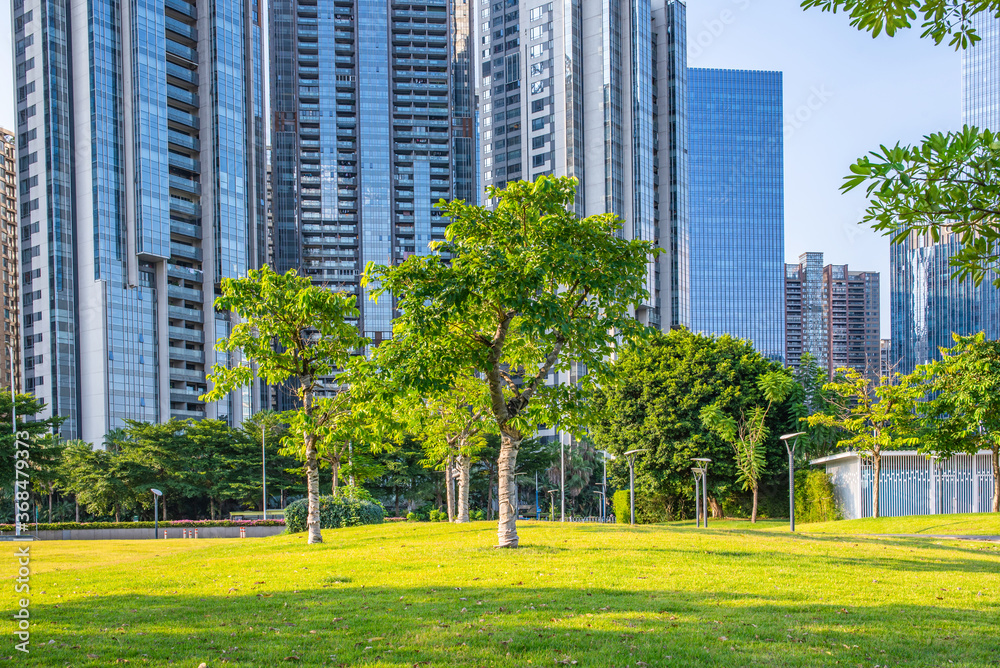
[
  {"x": 814, "y": 497},
  {"x": 477, "y": 515},
  {"x": 182, "y": 524},
  {"x": 334, "y": 512},
  {"x": 620, "y": 503},
  {"x": 412, "y": 517},
  {"x": 434, "y": 515}
]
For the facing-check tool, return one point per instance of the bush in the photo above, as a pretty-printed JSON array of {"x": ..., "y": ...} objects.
[
  {"x": 477, "y": 515},
  {"x": 334, "y": 512},
  {"x": 814, "y": 497},
  {"x": 174, "y": 524},
  {"x": 435, "y": 515},
  {"x": 620, "y": 503},
  {"x": 413, "y": 517}
]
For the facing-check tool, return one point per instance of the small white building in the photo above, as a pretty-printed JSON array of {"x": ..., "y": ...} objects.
[{"x": 911, "y": 483}]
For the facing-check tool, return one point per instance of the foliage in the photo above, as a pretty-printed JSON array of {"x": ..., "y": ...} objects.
[
  {"x": 810, "y": 397},
  {"x": 947, "y": 185},
  {"x": 962, "y": 414},
  {"x": 655, "y": 401},
  {"x": 942, "y": 19},
  {"x": 815, "y": 500},
  {"x": 334, "y": 512},
  {"x": 620, "y": 501},
  {"x": 514, "y": 293}
]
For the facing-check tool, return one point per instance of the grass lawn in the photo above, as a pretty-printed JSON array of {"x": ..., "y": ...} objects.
[
  {"x": 971, "y": 524},
  {"x": 407, "y": 595}
]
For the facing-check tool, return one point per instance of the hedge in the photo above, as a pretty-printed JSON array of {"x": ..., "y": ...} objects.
[
  {"x": 334, "y": 512},
  {"x": 620, "y": 502},
  {"x": 174, "y": 524},
  {"x": 815, "y": 500}
]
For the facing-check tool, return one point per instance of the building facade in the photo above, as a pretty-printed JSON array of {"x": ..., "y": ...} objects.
[
  {"x": 10, "y": 352},
  {"x": 373, "y": 124},
  {"x": 141, "y": 177},
  {"x": 832, "y": 313},
  {"x": 595, "y": 90},
  {"x": 737, "y": 224},
  {"x": 927, "y": 304}
]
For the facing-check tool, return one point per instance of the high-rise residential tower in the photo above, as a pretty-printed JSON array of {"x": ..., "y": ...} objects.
[
  {"x": 927, "y": 304},
  {"x": 595, "y": 90},
  {"x": 373, "y": 124},
  {"x": 10, "y": 347},
  {"x": 737, "y": 206},
  {"x": 832, "y": 313},
  {"x": 141, "y": 172}
]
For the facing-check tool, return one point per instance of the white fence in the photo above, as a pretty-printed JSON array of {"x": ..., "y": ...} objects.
[{"x": 912, "y": 484}]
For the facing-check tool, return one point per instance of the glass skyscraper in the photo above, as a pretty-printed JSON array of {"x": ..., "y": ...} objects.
[
  {"x": 140, "y": 125},
  {"x": 927, "y": 305},
  {"x": 595, "y": 90},
  {"x": 373, "y": 125},
  {"x": 737, "y": 206}
]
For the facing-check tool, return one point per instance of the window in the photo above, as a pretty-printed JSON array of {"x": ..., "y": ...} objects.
[
  {"x": 535, "y": 32},
  {"x": 537, "y": 142},
  {"x": 537, "y": 105},
  {"x": 537, "y": 69},
  {"x": 537, "y": 50},
  {"x": 537, "y": 86},
  {"x": 536, "y": 13},
  {"x": 486, "y": 26},
  {"x": 514, "y": 67},
  {"x": 537, "y": 123}
]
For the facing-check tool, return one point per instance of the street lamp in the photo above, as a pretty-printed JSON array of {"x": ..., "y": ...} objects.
[
  {"x": 263, "y": 466},
  {"x": 604, "y": 485},
  {"x": 703, "y": 465},
  {"x": 630, "y": 458},
  {"x": 552, "y": 504},
  {"x": 156, "y": 511},
  {"x": 602, "y": 504},
  {"x": 697, "y": 496},
  {"x": 794, "y": 440}
]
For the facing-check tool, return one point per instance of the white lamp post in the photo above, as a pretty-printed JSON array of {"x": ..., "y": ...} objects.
[{"x": 156, "y": 511}]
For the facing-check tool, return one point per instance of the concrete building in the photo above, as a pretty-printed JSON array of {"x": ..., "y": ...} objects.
[
  {"x": 10, "y": 350},
  {"x": 595, "y": 90},
  {"x": 832, "y": 313},
  {"x": 737, "y": 231},
  {"x": 927, "y": 304},
  {"x": 373, "y": 112},
  {"x": 141, "y": 176}
]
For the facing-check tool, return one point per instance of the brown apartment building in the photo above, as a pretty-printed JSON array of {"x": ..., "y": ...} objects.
[
  {"x": 833, "y": 314},
  {"x": 8, "y": 248}
]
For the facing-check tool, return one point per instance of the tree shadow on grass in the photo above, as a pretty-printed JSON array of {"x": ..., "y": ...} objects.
[{"x": 349, "y": 625}]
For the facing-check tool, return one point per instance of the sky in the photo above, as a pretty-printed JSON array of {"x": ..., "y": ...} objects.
[{"x": 845, "y": 94}]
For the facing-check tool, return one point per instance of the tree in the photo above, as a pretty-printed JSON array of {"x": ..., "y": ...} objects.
[
  {"x": 654, "y": 402},
  {"x": 293, "y": 330},
  {"x": 879, "y": 415},
  {"x": 516, "y": 293},
  {"x": 948, "y": 184},
  {"x": 808, "y": 398},
  {"x": 942, "y": 19},
  {"x": 963, "y": 413},
  {"x": 747, "y": 433}
]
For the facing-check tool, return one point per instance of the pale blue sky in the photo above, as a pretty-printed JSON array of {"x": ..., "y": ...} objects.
[{"x": 845, "y": 93}]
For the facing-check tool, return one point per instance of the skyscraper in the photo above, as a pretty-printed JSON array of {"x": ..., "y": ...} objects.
[
  {"x": 832, "y": 313},
  {"x": 595, "y": 90},
  {"x": 927, "y": 305},
  {"x": 737, "y": 206},
  {"x": 10, "y": 347},
  {"x": 140, "y": 128},
  {"x": 373, "y": 124}
]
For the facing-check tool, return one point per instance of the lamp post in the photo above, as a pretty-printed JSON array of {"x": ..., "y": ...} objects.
[
  {"x": 562, "y": 480},
  {"x": 602, "y": 505},
  {"x": 552, "y": 503},
  {"x": 538, "y": 508},
  {"x": 263, "y": 466},
  {"x": 630, "y": 458},
  {"x": 156, "y": 511},
  {"x": 793, "y": 440},
  {"x": 703, "y": 463},
  {"x": 604, "y": 485},
  {"x": 697, "y": 496}
]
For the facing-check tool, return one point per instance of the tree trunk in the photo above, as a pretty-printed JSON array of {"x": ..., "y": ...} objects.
[
  {"x": 117, "y": 518},
  {"x": 489, "y": 498},
  {"x": 753, "y": 513},
  {"x": 996, "y": 478},
  {"x": 211, "y": 507},
  {"x": 76, "y": 508},
  {"x": 312, "y": 471},
  {"x": 50, "y": 503},
  {"x": 449, "y": 486},
  {"x": 510, "y": 441},
  {"x": 716, "y": 508},
  {"x": 163, "y": 504},
  {"x": 395, "y": 492},
  {"x": 464, "y": 471},
  {"x": 282, "y": 499},
  {"x": 876, "y": 477},
  {"x": 335, "y": 468}
]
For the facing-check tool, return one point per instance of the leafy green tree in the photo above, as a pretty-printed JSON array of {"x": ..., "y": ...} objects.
[
  {"x": 963, "y": 412},
  {"x": 808, "y": 398},
  {"x": 941, "y": 19},
  {"x": 249, "y": 491},
  {"x": 876, "y": 415},
  {"x": 293, "y": 330},
  {"x": 948, "y": 184},
  {"x": 42, "y": 445},
  {"x": 516, "y": 293},
  {"x": 655, "y": 401},
  {"x": 746, "y": 433}
]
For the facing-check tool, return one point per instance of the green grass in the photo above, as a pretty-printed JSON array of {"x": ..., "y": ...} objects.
[
  {"x": 979, "y": 524},
  {"x": 407, "y": 594}
]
